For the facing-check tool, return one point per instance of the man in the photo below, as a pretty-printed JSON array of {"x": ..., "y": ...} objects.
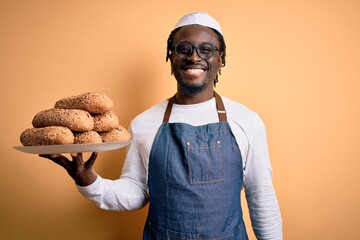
[{"x": 192, "y": 154}]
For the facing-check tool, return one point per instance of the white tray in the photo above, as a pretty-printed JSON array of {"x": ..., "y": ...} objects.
[{"x": 72, "y": 148}]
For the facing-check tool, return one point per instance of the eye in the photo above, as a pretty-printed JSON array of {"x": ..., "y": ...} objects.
[
  {"x": 183, "y": 48},
  {"x": 206, "y": 48}
]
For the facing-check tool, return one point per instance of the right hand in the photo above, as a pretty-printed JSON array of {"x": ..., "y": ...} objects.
[{"x": 82, "y": 172}]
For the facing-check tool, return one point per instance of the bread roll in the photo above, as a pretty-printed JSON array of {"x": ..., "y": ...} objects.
[
  {"x": 74, "y": 119},
  {"x": 93, "y": 102},
  {"x": 87, "y": 137},
  {"x": 119, "y": 134},
  {"x": 46, "y": 136},
  {"x": 105, "y": 121}
]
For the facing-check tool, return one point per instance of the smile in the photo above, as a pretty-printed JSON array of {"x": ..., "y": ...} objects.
[{"x": 194, "y": 70}]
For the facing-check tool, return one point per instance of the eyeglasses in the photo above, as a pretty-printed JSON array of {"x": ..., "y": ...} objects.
[{"x": 184, "y": 50}]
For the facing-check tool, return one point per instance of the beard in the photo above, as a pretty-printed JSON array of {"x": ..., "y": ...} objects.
[{"x": 191, "y": 89}]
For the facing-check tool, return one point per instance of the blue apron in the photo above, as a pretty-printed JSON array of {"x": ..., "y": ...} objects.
[{"x": 195, "y": 178}]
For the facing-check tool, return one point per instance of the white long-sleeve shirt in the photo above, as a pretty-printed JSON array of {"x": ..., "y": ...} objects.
[{"x": 130, "y": 191}]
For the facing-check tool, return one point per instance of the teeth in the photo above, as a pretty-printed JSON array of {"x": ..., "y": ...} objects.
[{"x": 195, "y": 70}]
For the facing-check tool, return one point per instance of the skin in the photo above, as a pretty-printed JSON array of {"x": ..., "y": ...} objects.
[
  {"x": 195, "y": 34},
  {"x": 200, "y": 81},
  {"x": 82, "y": 172}
]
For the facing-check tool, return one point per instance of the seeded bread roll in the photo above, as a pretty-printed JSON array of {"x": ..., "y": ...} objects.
[
  {"x": 87, "y": 137},
  {"x": 74, "y": 119},
  {"x": 105, "y": 121},
  {"x": 92, "y": 102},
  {"x": 119, "y": 134},
  {"x": 46, "y": 136}
]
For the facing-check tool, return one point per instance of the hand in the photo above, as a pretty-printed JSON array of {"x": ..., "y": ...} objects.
[{"x": 82, "y": 172}]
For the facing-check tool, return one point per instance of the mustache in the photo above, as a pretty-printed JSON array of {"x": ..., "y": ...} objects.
[{"x": 188, "y": 65}]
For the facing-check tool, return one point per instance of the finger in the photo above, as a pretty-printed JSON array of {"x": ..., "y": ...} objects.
[
  {"x": 90, "y": 162},
  {"x": 77, "y": 158},
  {"x": 58, "y": 159}
]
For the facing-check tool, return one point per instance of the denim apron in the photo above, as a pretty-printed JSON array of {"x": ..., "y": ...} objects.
[{"x": 195, "y": 178}]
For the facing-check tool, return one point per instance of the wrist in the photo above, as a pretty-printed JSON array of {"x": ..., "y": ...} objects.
[{"x": 87, "y": 180}]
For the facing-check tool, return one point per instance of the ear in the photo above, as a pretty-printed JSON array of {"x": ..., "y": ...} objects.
[
  {"x": 171, "y": 57},
  {"x": 220, "y": 61}
]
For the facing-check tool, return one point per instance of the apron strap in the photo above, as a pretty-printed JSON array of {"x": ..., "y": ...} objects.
[
  {"x": 219, "y": 106},
  {"x": 168, "y": 109}
]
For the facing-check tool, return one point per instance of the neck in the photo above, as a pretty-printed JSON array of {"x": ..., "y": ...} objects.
[{"x": 184, "y": 99}]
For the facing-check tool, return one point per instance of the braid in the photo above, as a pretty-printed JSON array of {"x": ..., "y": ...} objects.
[
  {"x": 170, "y": 43},
  {"x": 222, "y": 49}
]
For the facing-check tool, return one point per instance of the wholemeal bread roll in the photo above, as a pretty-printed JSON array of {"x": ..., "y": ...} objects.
[
  {"x": 87, "y": 137},
  {"x": 74, "y": 119},
  {"x": 105, "y": 121},
  {"x": 119, "y": 134},
  {"x": 92, "y": 102},
  {"x": 46, "y": 136}
]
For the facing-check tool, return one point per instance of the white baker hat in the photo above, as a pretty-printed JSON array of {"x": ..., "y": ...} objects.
[{"x": 200, "y": 18}]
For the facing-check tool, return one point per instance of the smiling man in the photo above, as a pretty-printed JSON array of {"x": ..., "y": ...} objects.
[
  {"x": 191, "y": 155},
  {"x": 195, "y": 60}
]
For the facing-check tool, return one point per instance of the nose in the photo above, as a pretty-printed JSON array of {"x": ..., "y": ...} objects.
[{"x": 194, "y": 57}]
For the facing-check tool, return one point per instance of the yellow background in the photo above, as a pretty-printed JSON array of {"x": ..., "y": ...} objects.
[{"x": 294, "y": 62}]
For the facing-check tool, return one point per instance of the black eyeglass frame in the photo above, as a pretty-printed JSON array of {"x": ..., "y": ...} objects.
[{"x": 196, "y": 47}]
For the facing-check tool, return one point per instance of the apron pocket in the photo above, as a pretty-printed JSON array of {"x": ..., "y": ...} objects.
[{"x": 206, "y": 162}]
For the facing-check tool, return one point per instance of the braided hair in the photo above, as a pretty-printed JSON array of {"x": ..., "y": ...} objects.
[{"x": 222, "y": 49}]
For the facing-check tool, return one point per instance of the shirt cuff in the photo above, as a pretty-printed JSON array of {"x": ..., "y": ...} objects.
[{"x": 90, "y": 189}]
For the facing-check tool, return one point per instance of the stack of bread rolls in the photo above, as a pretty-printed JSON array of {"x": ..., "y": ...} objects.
[{"x": 84, "y": 118}]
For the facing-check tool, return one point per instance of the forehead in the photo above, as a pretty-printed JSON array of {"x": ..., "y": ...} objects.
[{"x": 196, "y": 34}]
